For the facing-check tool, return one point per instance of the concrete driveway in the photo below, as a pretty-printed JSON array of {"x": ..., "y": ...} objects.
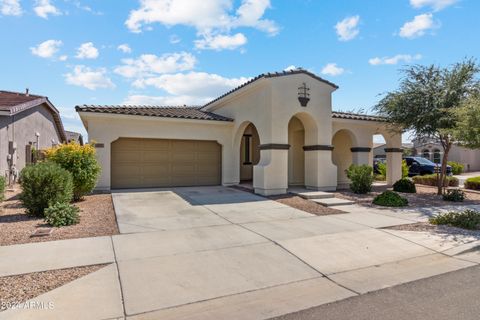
[{"x": 218, "y": 253}]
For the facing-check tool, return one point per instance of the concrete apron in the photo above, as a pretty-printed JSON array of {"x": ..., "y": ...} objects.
[{"x": 241, "y": 260}]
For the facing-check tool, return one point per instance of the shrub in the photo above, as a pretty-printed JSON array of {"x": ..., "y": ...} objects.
[
  {"x": 62, "y": 214},
  {"x": 468, "y": 219},
  {"x": 404, "y": 185},
  {"x": 3, "y": 185},
  {"x": 361, "y": 178},
  {"x": 405, "y": 169},
  {"x": 472, "y": 183},
  {"x": 382, "y": 169},
  {"x": 454, "y": 195},
  {"x": 390, "y": 199},
  {"x": 45, "y": 184},
  {"x": 431, "y": 180},
  {"x": 81, "y": 162},
  {"x": 457, "y": 168}
]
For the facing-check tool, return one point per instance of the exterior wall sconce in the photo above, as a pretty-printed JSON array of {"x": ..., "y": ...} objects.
[{"x": 303, "y": 95}]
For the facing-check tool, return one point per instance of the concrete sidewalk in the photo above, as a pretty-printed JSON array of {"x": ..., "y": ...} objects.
[{"x": 203, "y": 253}]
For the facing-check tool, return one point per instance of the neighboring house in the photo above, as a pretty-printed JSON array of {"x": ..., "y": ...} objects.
[
  {"x": 74, "y": 137},
  {"x": 27, "y": 123},
  {"x": 432, "y": 150},
  {"x": 379, "y": 150},
  {"x": 278, "y": 130}
]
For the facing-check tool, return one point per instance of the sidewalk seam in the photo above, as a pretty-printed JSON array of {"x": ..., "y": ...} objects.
[{"x": 119, "y": 278}]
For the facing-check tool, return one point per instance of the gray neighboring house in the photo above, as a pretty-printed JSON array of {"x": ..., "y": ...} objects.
[
  {"x": 74, "y": 136},
  {"x": 379, "y": 149},
  {"x": 27, "y": 122}
]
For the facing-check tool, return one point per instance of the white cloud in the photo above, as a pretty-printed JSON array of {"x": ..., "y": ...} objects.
[
  {"x": 395, "y": 59},
  {"x": 87, "y": 51},
  {"x": 418, "y": 26},
  {"x": 434, "y": 4},
  {"x": 10, "y": 8},
  {"x": 332, "y": 69},
  {"x": 196, "y": 84},
  {"x": 221, "y": 42},
  {"x": 212, "y": 19},
  {"x": 165, "y": 100},
  {"x": 46, "y": 49},
  {"x": 63, "y": 58},
  {"x": 43, "y": 8},
  {"x": 290, "y": 68},
  {"x": 148, "y": 65},
  {"x": 125, "y": 48},
  {"x": 347, "y": 29},
  {"x": 89, "y": 78}
]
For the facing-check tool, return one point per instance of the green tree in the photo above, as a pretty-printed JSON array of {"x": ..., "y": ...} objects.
[
  {"x": 468, "y": 129},
  {"x": 429, "y": 100}
]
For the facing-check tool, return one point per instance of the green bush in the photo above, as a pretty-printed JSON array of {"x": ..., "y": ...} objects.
[
  {"x": 3, "y": 185},
  {"x": 390, "y": 199},
  {"x": 62, "y": 214},
  {"x": 81, "y": 162},
  {"x": 454, "y": 195},
  {"x": 43, "y": 185},
  {"x": 404, "y": 185},
  {"x": 382, "y": 169},
  {"x": 431, "y": 180},
  {"x": 361, "y": 178},
  {"x": 468, "y": 219},
  {"x": 457, "y": 168},
  {"x": 472, "y": 183}
]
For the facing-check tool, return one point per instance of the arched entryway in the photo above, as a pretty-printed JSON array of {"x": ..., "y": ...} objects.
[
  {"x": 342, "y": 142},
  {"x": 296, "y": 155},
  {"x": 249, "y": 152}
]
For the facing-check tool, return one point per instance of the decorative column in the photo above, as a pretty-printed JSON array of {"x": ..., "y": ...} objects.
[
  {"x": 361, "y": 155},
  {"x": 320, "y": 172},
  {"x": 270, "y": 175},
  {"x": 394, "y": 165}
]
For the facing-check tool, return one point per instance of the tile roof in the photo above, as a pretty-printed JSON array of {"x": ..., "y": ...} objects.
[
  {"x": 356, "y": 116},
  {"x": 272, "y": 75},
  {"x": 12, "y": 103},
  {"x": 155, "y": 111}
]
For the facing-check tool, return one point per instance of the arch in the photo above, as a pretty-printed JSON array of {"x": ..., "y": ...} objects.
[
  {"x": 342, "y": 142},
  {"x": 437, "y": 156},
  {"x": 247, "y": 143}
]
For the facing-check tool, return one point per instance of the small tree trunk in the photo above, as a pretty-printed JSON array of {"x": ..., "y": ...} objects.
[{"x": 443, "y": 170}]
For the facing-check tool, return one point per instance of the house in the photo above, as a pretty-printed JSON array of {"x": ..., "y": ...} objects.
[
  {"x": 277, "y": 130},
  {"x": 74, "y": 137},
  {"x": 27, "y": 122},
  {"x": 432, "y": 150},
  {"x": 379, "y": 150}
]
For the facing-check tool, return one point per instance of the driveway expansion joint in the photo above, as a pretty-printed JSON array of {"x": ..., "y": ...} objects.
[{"x": 119, "y": 278}]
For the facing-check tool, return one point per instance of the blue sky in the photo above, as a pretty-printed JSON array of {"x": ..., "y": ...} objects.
[{"x": 175, "y": 52}]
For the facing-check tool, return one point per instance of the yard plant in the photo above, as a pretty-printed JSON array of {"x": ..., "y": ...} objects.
[
  {"x": 390, "y": 199},
  {"x": 44, "y": 184},
  {"x": 404, "y": 185},
  {"x": 81, "y": 162},
  {"x": 432, "y": 180},
  {"x": 454, "y": 195},
  {"x": 457, "y": 168},
  {"x": 62, "y": 214},
  {"x": 361, "y": 178},
  {"x": 3, "y": 185},
  {"x": 472, "y": 183},
  {"x": 467, "y": 219}
]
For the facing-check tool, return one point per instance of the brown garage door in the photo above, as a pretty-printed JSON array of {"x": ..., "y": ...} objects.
[{"x": 146, "y": 163}]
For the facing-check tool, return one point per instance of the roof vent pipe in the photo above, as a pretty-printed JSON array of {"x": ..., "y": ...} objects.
[{"x": 27, "y": 92}]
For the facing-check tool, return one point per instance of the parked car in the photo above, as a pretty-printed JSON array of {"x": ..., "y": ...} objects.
[{"x": 422, "y": 166}]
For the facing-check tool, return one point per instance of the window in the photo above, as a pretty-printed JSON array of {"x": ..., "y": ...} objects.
[
  {"x": 247, "y": 152},
  {"x": 426, "y": 154},
  {"x": 436, "y": 156}
]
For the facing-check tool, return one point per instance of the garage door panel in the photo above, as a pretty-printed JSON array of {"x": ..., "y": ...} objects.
[{"x": 144, "y": 163}]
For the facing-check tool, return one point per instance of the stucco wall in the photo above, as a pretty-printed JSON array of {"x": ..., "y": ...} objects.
[{"x": 21, "y": 128}]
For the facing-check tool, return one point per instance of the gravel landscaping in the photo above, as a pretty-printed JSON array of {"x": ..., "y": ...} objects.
[
  {"x": 97, "y": 218},
  {"x": 305, "y": 205},
  {"x": 425, "y": 196},
  {"x": 20, "y": 288},
  {"x": 440, "y": 229}
]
